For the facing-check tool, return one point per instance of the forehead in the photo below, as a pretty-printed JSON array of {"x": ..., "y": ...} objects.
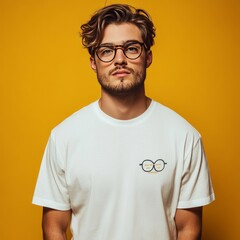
[{"x": 120, "y": 33}]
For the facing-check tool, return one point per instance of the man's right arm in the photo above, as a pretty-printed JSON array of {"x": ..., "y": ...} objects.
[{"x": 55, "y": 223}]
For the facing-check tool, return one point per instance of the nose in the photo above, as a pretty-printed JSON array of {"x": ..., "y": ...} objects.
[{"x": 120, "y": 58}]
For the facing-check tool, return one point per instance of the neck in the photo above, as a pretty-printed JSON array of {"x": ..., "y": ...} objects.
[{"x": 124, "y": 107}]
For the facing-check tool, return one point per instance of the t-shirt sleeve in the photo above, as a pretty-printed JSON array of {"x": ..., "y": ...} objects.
[
  {"x": 196, "y": 186},
  {"x": 51, "y": 188}
]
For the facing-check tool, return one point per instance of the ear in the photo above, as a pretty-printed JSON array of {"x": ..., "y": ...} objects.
[
  {"x": 149, "y": 58},
  {"x": 93, "y": 64}
]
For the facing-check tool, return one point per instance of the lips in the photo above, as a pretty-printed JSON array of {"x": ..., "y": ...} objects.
[{"x": 121, "y": 72}]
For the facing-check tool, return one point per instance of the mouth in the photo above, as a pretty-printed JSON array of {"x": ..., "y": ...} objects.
[{"x": 121, "y": 73}]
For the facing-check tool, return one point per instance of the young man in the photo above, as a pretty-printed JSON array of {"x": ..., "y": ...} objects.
[{"x": 125, "y": 167}]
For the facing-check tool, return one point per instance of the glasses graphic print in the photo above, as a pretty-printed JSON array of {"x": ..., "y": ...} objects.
[{"x": 153, "y": 167}]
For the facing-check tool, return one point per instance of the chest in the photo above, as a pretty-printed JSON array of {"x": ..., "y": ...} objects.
[{"x": 116, "y": 163}]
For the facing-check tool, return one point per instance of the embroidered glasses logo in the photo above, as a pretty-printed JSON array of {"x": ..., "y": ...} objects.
[{"x": 153, "y": 167}]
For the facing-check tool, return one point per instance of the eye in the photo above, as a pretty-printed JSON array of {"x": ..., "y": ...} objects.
[
  {"x": 105, "y": 51},
  {"x": 133, "y": 49}
]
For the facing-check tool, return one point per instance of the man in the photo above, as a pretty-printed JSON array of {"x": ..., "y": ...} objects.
[{"x": 125, "y": 167}]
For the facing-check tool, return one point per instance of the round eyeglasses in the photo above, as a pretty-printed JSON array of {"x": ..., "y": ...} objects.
[{"x": 107, "y": 52}]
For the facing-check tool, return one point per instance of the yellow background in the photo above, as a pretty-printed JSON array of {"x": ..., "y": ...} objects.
[{"x": 45, "y": 76}]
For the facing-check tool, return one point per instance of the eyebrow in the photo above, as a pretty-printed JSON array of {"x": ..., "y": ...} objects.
[{"x": 124, "y": 43}]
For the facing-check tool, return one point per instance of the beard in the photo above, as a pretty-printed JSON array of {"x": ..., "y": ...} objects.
[{"x": 123, "y": 86}]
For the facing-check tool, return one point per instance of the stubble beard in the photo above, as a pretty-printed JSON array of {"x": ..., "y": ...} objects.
[{"x": 122, "y": 88}]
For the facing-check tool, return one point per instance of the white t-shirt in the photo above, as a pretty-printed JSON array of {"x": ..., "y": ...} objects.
[{"x": 124, "y": 179}]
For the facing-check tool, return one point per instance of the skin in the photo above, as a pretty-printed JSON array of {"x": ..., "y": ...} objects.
[
  {"x": 189, "y": 223},
  {"x": 55, "y": 223},
  {"x": 123, "y": 97},
  {"x": 128, "y": 100}
]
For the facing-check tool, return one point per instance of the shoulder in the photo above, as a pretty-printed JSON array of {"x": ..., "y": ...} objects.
[
  {"x": 78, "y": 121},
  {"x": 172, "y": 122}
]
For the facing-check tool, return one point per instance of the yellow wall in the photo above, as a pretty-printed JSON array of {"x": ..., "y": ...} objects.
[{"x": 45, "y": 76}]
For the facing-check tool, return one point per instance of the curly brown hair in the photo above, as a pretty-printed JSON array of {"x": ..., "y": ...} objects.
[{"x": 92, "y": 31}]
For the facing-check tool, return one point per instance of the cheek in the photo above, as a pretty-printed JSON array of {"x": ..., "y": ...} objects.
[
  {"x": 141, "y": 65},
  {"x": 100, "y": 67},
  {"x": 104, "y": 71}
]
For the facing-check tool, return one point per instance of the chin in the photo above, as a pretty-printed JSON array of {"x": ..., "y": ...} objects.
[{"x": 123, "y": 88}]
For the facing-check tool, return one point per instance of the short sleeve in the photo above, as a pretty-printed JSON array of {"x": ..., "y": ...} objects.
[
  {"x": 196, "y": 186},
  {"x": 51, "y": 188}
]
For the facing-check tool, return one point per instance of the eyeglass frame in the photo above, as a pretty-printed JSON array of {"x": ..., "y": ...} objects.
[{"x": 122, "y": 47}]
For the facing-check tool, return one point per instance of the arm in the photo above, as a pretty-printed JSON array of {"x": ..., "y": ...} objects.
[
  {"x": 55, "y": 223},
  {"x": 189, "y": 223}
]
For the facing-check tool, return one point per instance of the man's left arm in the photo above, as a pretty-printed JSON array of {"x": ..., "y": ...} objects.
[{"x": 189, "y": 223}]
